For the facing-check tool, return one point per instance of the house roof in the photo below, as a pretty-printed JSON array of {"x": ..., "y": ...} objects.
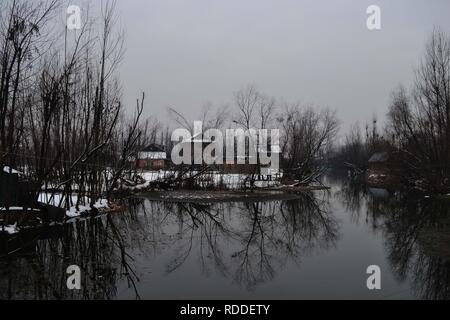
[
  {"x": 379, "y": 157},
  {"x": 153, "y": 148}
]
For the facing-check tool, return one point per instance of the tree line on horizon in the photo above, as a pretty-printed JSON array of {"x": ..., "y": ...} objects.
[
  {"x": 418, "y": 125},
  {"x": 64, "y": 125}
]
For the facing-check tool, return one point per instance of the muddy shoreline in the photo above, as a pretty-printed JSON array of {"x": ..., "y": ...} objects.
[{"x": 215, "y": 196}]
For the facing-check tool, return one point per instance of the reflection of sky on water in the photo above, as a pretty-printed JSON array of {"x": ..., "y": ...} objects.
[{"x": 318, "y": 246}]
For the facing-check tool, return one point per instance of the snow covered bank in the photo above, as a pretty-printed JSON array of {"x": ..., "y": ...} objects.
[
  {"x": 231, "y": 181},
  {"x": 73, "y": 211},
  {"x": 20, "y": 209},
  {"x": 197, "y": 196},
  {"x": 11, "y": 229},
  {"x": 7, "y": 169}
]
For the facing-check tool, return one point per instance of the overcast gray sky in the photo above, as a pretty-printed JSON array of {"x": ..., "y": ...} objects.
[{"x": 184, "y": 53}]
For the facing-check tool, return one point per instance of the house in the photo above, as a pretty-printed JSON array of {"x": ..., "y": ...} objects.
[
  {"x": 249, "y": 167},
  {"x": 152, "y": 157},
  {"x": 384, "y": 168},
  {"x": 251, "y": 162},
  {"x": 378, "y": 161},
  {"x": 195, "y": 146},
  {"x": 198, "y": 143},
  {"x": 246, "y": 163}
]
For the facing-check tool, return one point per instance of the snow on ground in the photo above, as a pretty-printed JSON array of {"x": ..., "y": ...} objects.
[
  {"x": 52, "y": 199},
  {"x": 9, "y": 170},
  {"x": 157, "y": 175},
  {"x": 12, "y": 229},
  {"x": 376, "y": 176},
  {"x": 55, "y": 200},
  {"x": 18, "y": 209},
  {"x": 138, "y": 187},
  {"x": 73, "y": 212},
  {"x": 228, "y": 180}
]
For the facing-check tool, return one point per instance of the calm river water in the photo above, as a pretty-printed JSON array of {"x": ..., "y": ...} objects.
[{"x": 316, "y": 247}]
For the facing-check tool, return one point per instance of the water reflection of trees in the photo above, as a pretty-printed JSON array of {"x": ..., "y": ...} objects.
[
  {"x": 276, "y": 232},
  {"x": 250, "y": 241},
  {"x": 38, "y": 269},
  {"x": 353, "y": 196},
  {"x": 246, "y": 242},
  {"x": 415, "y": 230}
]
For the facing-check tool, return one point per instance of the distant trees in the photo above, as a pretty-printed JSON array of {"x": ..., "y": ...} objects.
[
  {"x": 355, "y": 152},
  {"x": 358, "y": 146},
  {"x": 210, "y": 117},
  {"x": 254, "y": 109},
  {"x": 418, "y": 125},
  {"x": 307, "y": 133},
  {"x": 419, "y": 120}
]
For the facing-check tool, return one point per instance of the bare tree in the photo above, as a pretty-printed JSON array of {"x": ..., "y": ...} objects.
[
  {"x": 210, "y": 117},
  {"x": 254, "y": 111},
  {"x": 246, "y": 101},
  {"x": 22, "y": 38},
  {"x": 420, "y": 121},
  {"x": 61, "y": 112},
  {"x": 266, "y": 111},
  {"x": 307, "y": 132}
]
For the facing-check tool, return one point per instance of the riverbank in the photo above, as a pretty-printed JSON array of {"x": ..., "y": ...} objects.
[{"x": 199, "y": 196}]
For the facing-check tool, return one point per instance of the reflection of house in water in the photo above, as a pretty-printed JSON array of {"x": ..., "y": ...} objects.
[{"x": 153, "y": 157}]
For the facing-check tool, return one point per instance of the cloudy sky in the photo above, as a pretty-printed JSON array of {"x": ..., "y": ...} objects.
[{"x": 185, "y": 53}]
